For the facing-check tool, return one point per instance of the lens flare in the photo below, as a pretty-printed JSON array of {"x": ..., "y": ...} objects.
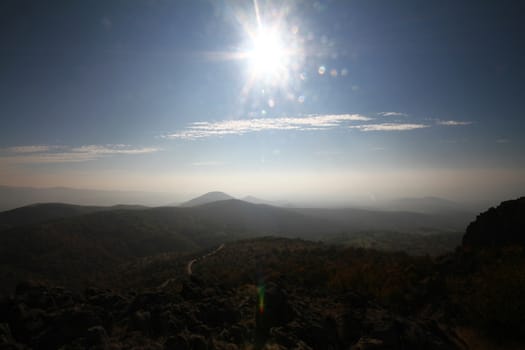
[{"x": 260, "y": 298}]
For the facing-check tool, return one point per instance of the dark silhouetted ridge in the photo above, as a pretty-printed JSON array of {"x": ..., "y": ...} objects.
[
  {"x": 500, "y": 226},
  {"x": 45, "y": 212},
  {"x": 38, "y": 213}
]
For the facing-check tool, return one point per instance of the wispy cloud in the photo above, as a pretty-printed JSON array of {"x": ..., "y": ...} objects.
[
  {"x": 199, "y": 130},
  {"x": 31, "y": 149},
  {"x": 389, "y": 127},
  {"x": 452, "y": 122},
  {"x": 112, "y": 149},
  {"x": 66, "y": 154},
  {"x": 392, "y": 114}
]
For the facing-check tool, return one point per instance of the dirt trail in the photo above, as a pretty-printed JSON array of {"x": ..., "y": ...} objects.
[{"x": 189, "y": 266}]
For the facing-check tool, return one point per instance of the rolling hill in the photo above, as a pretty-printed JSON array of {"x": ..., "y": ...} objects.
[
  {"x": 62, "y": 241},
  {"x": 43, "y": 212},
  {"x": 353, "y": 219},
  {"x": 74, "y": 244}
]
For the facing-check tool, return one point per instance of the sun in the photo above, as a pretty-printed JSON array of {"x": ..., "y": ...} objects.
[
  {"x": 267, "y": 55},
  {"x": 272, "y": 50}
]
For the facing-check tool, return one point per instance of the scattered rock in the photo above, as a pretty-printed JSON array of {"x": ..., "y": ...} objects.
[{"x": 42, "y": 317}]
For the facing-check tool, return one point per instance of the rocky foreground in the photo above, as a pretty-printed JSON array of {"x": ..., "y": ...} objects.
[{"x": 208, "y": 317}]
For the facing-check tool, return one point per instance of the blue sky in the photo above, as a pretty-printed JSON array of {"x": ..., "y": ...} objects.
[{"x": 341, "y": 100}]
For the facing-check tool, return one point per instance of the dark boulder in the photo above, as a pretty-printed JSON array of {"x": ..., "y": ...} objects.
[
  {"x": 106, "y": 299},
  {"x": 65, "y": 326},
  {"x": 165, "y": 322},
  {"x": 141, "y": 321},
  {"x": 26, "y": 323},
  {"x": 366, "y": 343},
  {"x": 198, "y": 342},
  {"x": 177, "y": 342},
  {"x": 6, "y": 339},
  {"x": 218, "y": 312},
  {"x": 34, "y": 295},
  {"x": 97, "y": 337},
  {"x": 147, "y": 301},
  {"x": 191, "y": 291},
  {"x": 5, "y": 306},
  {"x": 64, "y": 298}
]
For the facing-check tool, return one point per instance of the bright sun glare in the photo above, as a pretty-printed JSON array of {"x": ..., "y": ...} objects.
[
  {"x": 267, "y": 56},
  {"x": 272, "y": 50}
]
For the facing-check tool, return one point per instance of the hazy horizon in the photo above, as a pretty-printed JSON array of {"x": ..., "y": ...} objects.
[
  {"x": 15, "y": 197},
  {"x": 310, "y": 102}
]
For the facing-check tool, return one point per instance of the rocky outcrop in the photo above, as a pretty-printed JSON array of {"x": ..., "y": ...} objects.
[{"x": 497, "y": 227}]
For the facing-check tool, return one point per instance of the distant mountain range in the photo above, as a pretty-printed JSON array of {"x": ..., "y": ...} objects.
[
  {"x": 206, "y": 198},
  {"x": 15, "y": 197}
]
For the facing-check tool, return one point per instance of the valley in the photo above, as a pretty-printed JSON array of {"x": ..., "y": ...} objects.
[{"x": 235, "y": 275}]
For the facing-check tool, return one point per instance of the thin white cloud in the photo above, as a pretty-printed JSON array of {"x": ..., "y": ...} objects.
[
  {"x": 392, "y": 114},
  {"x": 31, "y": 149},
  {"x": 199, "y": 130},
  {"x": 389, "y": 127},
  {"x": 452, "y": 122},
  {"x": 50, "y": 158},
  {"x": 112, "y": 150},
  {"x": 65, "y": 154}
]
